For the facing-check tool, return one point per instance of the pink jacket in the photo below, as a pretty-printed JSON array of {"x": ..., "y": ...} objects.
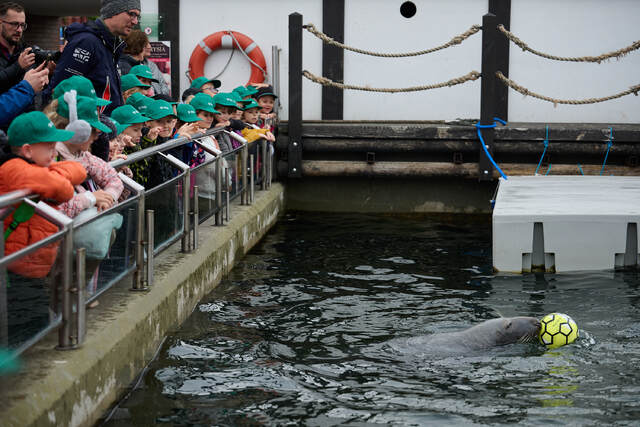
[{"x": 102, "y": 174}]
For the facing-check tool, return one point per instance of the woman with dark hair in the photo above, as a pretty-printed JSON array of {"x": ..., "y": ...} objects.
[{"x": 137, "y": 52}]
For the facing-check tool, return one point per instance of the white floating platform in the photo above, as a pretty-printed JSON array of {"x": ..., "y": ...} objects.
[{"x": 566, "y": 223}]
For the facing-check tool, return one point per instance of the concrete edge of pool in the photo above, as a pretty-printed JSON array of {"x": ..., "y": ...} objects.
[{"x": 123, "y": 333}]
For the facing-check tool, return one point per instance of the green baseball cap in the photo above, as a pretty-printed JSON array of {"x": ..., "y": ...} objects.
[
  {"x": 119, "y": 127},
  {"x": 238, "y": 98},
  {"x": 143, "y": 71},
  {"x": 140, "y": 102},
  {"x": 225, "y": 99},
  {"x": 197, "y": 83},
  {"x": 34, "y": 127},
  {"x": 159, "y": 109},
  {"x": 127, "y": 115},
  {"x": 87, "y": 110},
  {"x": 252, "y": 104},
  {"x": 187, "y": 113},
  {"x": 80, "y": 84},
  {"x": 129, "y": 80},
  {"x": 204, "y": 102},
  {"x": 245, "y": 91}
]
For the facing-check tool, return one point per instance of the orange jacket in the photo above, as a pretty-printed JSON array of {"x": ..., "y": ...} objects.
[{"x": 55, "y": 183}]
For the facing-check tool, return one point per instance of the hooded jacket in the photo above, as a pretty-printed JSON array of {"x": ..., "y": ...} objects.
[
  {"x": 54, "y": 183},
  {"x": 93, "y": 52}
]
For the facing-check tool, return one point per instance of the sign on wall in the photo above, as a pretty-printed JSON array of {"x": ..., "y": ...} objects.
[{"x": 161, "y": 56}]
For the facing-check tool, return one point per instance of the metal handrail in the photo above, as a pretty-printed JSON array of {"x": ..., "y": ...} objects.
[
  {"x": 173, "y": 143},
  {"x": 10, "y": 199}
]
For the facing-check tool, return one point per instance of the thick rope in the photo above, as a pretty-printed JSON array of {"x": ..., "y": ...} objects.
[
  {"x": 615, "y": 54},
  {"x": 526, "y": 92},
  {"x": 454, "y": 41},
  {"x": 473, "y": 75}
]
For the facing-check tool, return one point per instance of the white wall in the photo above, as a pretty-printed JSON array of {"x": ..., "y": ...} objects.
[
  {"x": 378, "y": 25},
  {"x": 562, "y": 27},
  {"x": 575, "y": 28},
  {"x": 267, "y": 23}
]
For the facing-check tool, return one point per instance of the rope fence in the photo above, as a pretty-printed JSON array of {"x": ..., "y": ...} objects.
[
  {"x": 615, "y": 54},
  {"x": 526, "y": 92},
  {"x": 473, "y": 75},
  {"x": 454, "y": 41}
]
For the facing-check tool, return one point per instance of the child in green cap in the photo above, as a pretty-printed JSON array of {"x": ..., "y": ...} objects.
[{"x": 30, "y": 164}]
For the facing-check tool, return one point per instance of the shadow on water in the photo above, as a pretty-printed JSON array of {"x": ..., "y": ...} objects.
[{"x": 298, "y": 334}]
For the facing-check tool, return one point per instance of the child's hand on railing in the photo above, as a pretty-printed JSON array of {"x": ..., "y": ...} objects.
[
  {"x": 104, "y": 200},
  {"x": 188, "y": 129}
]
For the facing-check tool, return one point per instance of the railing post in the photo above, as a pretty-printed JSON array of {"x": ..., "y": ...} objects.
[
  {"x": 263, "y": 153},
  {"x": 251, "y": 178},
  {"x": 227, "y": 194},
  {"x": 196, "y": 217},
  {"x": 150, "y": 245},
  {"x": 487, "y": 92},
  {"x": 295, "y": 96},
  {"x": 4, "y": 309},
  {"x": 66, "y": 254},
  {"x": 219, "y": 204},
  {"x": 244, "y": 158},
  {"x": 138, "y": 240},
  {"x": 186, "y": 202},
  {"x": 81, "y": 285}
]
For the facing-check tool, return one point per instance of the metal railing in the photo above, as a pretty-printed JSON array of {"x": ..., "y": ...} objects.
[{"x": 137, "y": 230}]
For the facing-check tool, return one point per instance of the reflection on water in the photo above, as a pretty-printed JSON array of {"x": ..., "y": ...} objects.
[{"x": 297, "y": 335}]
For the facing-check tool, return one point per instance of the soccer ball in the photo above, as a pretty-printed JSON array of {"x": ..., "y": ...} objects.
[{"x": 557, "y": 329}]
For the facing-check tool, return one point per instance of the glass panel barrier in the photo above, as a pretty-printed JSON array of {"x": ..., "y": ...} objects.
[
  {"x": 29, "y": 308},
  {"x": 233, "y": 161},
  {"x": 109, "y": 239},
  {"x": 204, "y": 176},
  {"x": 166, "y": 202}
]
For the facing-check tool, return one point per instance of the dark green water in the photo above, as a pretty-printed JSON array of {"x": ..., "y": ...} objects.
[{"x": 296, "y": 336}]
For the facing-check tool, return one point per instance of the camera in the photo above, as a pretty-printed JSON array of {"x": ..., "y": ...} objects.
[{"x": 45, "y": 55}]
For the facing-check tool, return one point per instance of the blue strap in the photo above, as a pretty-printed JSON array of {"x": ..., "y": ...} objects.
[
  {"x": 580, "y": 168},
  {"x": 546, "y": 145},
  {"x": 609, "y": 144},
  {"x": 548, "y": 170},
  {"x": 484, "y": 146}
]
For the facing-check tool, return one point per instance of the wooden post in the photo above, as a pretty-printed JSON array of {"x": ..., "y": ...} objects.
[
  {"x": 487, "y": 92},
  {"x": 295, "y": 96},
  {"x": 333, "y": 59},
  {"x": 502, "y": 10}
]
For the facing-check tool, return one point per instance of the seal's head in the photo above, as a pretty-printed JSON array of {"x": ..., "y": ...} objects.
[{"x": 517, "y": 329}]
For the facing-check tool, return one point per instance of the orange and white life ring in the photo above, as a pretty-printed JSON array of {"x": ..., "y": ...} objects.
[{"x": 228, "y": 39}]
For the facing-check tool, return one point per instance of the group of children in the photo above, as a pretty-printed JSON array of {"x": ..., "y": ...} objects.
[{"x": 62, "y": 153}]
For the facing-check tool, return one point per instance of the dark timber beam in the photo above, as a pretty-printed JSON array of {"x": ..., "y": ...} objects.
[
  {"x": 487, "y": 92},
  {"x": 333, "y": 59},
  {"x": 169, "y": 30},
  {"x": 295, "y": 96},
  {"x": 502, "y": 10}
]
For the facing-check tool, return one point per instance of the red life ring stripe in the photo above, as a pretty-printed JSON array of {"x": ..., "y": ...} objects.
[{"x": 223, "y": 39}]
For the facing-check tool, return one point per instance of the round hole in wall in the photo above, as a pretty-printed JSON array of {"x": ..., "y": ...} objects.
[{"x": 408, "y": 9}]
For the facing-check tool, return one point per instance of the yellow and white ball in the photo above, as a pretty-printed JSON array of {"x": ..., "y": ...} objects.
[{"x": 557, "y": 329}]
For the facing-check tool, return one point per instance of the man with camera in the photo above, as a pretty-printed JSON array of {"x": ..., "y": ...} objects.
[{"x": 15, "y": 58}]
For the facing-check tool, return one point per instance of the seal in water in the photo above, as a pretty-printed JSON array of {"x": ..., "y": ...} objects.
[{"x": 488, "y": 334}]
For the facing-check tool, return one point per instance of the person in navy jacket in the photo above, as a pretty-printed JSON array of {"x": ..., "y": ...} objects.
[{"x": 93, "y": 50}]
